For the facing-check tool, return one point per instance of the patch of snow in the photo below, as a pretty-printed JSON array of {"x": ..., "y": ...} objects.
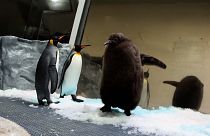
[
  {"x": 33, "y": 106},
  {"x": 168, "y": 121},
  {"x": 24, "y": 95}
]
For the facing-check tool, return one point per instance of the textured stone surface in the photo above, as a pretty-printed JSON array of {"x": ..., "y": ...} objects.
[
  {"x": 18, "y": 61},
  {"x": 89, "y": 83},
  {"x": 1, "y": 73}
]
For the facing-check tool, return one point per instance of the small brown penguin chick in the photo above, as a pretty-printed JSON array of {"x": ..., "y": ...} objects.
[{"x": 188, "y": 93}]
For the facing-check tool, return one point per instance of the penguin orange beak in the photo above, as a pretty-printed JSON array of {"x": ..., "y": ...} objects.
[
  {"x": 61, "y": 37},
  {"x": 64, "y": 39},
  {"x": 86, "y": 45}
]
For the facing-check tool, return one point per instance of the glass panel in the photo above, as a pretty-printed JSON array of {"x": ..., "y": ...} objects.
[{"x": 48, "y": 16}]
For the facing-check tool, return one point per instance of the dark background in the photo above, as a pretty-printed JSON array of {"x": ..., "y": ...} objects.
[{"x": 36, "y": 19}]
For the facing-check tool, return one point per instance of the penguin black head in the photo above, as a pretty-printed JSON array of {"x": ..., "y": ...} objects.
[
  {"x": 115, "y": 39},
  {"x": 58, "y": 37},
  {"x": 78, "y": 48}
]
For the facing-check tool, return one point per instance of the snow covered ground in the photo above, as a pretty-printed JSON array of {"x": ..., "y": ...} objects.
[{"x": 162, "y": 121}]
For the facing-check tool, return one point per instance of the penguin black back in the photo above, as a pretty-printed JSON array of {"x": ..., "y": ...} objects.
[{"x": 46, "y": 70}]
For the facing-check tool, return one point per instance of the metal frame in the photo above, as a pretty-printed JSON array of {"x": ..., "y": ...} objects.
[{"x": 79, "y": 22}]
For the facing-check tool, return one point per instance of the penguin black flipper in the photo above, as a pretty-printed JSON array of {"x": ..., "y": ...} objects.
[
  {"x": 54, "y": 78},
  {"x": 149, "y": 60},
  {"x": 53, "y": 74},
  {"x": 65, "y": 66},
  {"x": 173, "y": 83}
]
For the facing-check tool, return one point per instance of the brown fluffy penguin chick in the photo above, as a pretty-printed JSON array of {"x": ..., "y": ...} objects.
[
  {"x": 122, "y": 76},
  {"x": 188, "y": 93}
]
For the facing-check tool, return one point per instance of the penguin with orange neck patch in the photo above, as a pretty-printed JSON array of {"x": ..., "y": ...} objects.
[
  {"x": 70, "y": 73},
  {"x": 47, "y": 70}
]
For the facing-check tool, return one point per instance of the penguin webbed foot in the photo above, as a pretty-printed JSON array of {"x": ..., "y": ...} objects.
[
  {"x": 74, "y": 98},
  {"x": 127, "y": 112},
  {"x": 61, "y": 96},
  {"x": 49, "y": 102},
  {"x": 41, "y": 103},
  {"x": 106, "y": 108}
]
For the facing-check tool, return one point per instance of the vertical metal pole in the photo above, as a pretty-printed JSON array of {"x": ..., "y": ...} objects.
[
  {"x": 83, "y": 22},
  {"x": 79, "y": 22}
]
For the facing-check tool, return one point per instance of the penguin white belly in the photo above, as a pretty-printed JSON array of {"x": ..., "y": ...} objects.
[
  {"x": 143, "y": 100},
  {"x": 57, "y": 60},
  {"x": 57, "y": 66},
  {"x": 71, "y": 77}
]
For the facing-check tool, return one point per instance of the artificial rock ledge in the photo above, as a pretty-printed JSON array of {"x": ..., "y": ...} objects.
[{"x": 19, "y": 57}]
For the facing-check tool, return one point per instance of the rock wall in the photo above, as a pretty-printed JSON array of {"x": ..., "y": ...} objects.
[
  {"x": 1, "y": 73},
  {"x": 18, "y": 61},
  {"x": 89, "y": 83}
]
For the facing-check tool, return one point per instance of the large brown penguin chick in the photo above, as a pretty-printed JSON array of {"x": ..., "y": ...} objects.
[{"x": 122, "y": 76}]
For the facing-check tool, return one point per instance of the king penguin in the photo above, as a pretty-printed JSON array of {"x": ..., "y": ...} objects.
[
  {"x": 71, "y": 72},
  {"x": 145, "y": 94},
  {"x": 46, "y": 71}
]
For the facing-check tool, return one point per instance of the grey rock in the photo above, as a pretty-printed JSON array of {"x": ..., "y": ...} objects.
[
  {"x": 18, "y": 61},
  {"x": 89, "y": 83},
  {"x": 1, "y": 73}
]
